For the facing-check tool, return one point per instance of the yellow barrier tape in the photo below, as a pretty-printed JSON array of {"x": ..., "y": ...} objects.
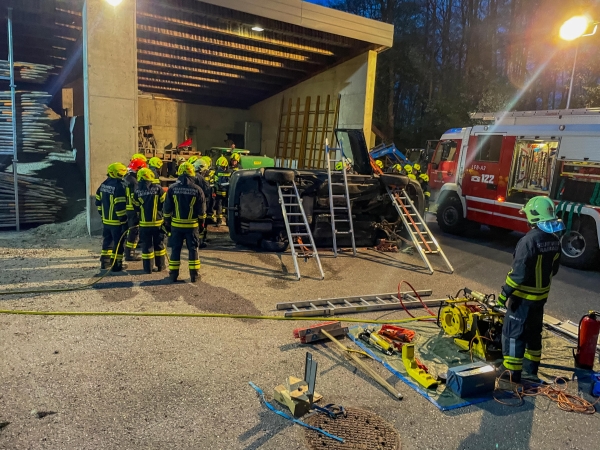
[{"x": 218, "y": 316}]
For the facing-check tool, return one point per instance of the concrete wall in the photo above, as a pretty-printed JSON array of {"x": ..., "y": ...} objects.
[
  {"x": 169, "y": 119},
  {"x": 353, "y": 80},
  {"x": 110, "y": 85}
]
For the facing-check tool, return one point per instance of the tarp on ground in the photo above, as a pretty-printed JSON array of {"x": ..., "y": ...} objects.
[{"x": 438, "y": 352}]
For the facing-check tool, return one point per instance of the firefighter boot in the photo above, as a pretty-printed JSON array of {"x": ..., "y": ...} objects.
[
  {"x": 160, "y": 264},
  {"x": 118, "y": 266},
  {"x": 509, "y": 375},
  {"x": 131, "y": 255},
  {"x": 173, "y": 275},
  {"x": 194, "y": 276},
  {"x": 147, "y": 264},
  {"x": 530, "y": 370},
  {"x": 104, "y": 263},
  {"x": 219, "y": 222}
]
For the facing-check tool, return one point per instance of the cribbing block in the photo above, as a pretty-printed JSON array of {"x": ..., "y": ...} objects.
[{"x": 313, "y": 333}]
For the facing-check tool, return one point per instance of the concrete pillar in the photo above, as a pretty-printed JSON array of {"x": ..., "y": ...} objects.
[
  {"x": 110, "y": 91},
  {"x": 370, "y": 98}
]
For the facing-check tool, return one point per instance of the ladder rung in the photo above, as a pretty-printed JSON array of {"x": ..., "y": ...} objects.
[
  {"x": 299, "y": 234},
  {"x": 294, "y": 214},
  {"x": 297, "y": 224},
  {"x": 337, "y": 184},
  {"x": 341, "y": 207},
  {"x": 419, "y": 232},
  {"x": 302, "y": 245},
  {"x": 341, "y": 220},
  {"x": 292, "y": 204},
  {"x": 338, "y": 196},
  {"x": 288, "y": 195},
  {"x": 342, "y": 232}
]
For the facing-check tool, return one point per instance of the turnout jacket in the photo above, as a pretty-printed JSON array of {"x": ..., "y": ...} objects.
[
  {"x": 148, "y": 201},
  {"x": 111, "y": 202},
  {"x": 203, "y": 184},
  {"x": 535, "y": 262},
  {"x": 185, "y": 204},
  {"x": 130, "y": 185}
]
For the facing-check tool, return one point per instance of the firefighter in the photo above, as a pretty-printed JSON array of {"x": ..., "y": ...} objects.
[
  {"x": 221, "y": 188},
  {"x": 148, "y": 200},
  {"x": 397, "y": 168},
  {"x": 132, "y": 218},
  {"x": 234, "y": 162},
  {"x": 524, "y": 294},
  {"x": 156, "y": 164},
  {"x": 210, "y": 177},
  {"x": 424, "y": 180},
  {"x": 416, "y": 169},
  {"x": 185, "y": 215},
  {"x": 202, "y": 170},
  {"x": 379, "y": 163},
  {"x": 111, "y": 203}
]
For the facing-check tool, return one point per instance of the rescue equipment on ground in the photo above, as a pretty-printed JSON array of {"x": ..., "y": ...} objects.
[
  {"x": 475, "y": 325},
  {"x": 587, "y": 339}
]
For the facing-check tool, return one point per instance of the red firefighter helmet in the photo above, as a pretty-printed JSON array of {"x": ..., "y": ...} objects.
[{"x": 137, "y": 164}]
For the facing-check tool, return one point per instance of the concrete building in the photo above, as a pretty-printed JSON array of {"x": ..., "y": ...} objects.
[{"x": 288, "y": 70}]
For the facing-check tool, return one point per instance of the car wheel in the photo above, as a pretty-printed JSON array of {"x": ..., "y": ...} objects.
[
  {"x": 394, "y": 180},
  {"x": 279, "y": 176},
  {"x": 450, "y": 216},
  {"x": 274, "y": 246},
  {"x": 580, "y": 248}
]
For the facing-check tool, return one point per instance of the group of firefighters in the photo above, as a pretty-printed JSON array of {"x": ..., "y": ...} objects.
[
  {"x": 132, "y": 202},
  {"x": 412, "y": 171}
]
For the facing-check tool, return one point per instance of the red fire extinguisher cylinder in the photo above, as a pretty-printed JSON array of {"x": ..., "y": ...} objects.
[{"x": 589, "y": 328}]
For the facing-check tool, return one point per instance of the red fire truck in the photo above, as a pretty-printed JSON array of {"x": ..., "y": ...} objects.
[{"x": 486, "y": 173}]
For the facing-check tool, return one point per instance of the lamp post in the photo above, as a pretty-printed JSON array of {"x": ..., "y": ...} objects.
[{"x": 573, "y": 29}]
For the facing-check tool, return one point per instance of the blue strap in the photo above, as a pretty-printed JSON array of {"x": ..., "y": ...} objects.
[{"x": 285, "y": 416}]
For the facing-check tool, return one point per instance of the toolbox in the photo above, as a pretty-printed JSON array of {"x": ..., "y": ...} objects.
[{"x": 471, "y": 380}]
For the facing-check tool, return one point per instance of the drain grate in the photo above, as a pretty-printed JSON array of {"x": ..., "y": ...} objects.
[{"x": 360, "y": 430}]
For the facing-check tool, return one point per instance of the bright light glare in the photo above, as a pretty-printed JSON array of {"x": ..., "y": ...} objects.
[
  {"x": 257, "y": 28},
  {"x": 114, "y": 2},
  {"x": 574, "y": 28}
]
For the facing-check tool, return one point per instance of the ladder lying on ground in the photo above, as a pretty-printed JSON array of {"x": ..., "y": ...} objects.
[
  {"x": 295, "y": 219},
  {"x": 363, "y": 303},
  {"x": 422, "y": 238},
  {"x": 345, "y": 212}
]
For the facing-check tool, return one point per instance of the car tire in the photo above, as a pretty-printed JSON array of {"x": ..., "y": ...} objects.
[
  {"x": 450, "y": 216},
  {"x": 279, "y": 176},
  {"x": 394, "y": 180},
  {"x": 580, "y": 249},
  {"x": 274, "y": 246}
]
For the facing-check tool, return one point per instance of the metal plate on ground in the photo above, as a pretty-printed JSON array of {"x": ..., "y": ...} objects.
[{"x": 361, "y": 429}]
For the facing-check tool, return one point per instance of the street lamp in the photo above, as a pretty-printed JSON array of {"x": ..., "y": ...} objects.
[
  {"x": 572, "y": 29},
  {"x": 114, "y": 2}
]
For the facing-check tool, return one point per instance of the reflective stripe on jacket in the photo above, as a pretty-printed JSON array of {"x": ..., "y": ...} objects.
[
  {"x": 535, "y": 262},
  {"x": 148, "y": 201},
  {"x": 111, "y": 202},
  {"x": 185, "y": 204}
]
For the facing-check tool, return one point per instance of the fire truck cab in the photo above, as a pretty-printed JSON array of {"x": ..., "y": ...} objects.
[{"x": 486, "y": 173}]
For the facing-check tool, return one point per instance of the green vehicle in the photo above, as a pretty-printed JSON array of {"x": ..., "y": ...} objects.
[{"x": 247, "y": 161}]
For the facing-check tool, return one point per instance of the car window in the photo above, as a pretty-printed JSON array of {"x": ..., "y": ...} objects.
[
  {"x": 445, "y": 151},
  {"x": 489, "y": 147}
]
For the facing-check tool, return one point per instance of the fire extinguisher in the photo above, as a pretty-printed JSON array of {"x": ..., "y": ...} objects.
[{"x": 589, "y": 328}]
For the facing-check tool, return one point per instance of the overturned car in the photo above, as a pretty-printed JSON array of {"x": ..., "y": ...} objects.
[{"x": 255, "y": 215}]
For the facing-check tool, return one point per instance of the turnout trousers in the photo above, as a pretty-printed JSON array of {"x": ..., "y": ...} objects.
[
  {"x": 133, "y": 234},
  {"x": 111, "y": 235},
  {"x": 220, "y": 201},
  {"x": 191, "y": 236},
  {"x": 522, "y": 334},
  {"x": 154, "y": 252}
]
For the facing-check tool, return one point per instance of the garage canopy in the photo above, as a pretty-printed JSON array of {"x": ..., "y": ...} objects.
[{"x": 228, "y": 52}]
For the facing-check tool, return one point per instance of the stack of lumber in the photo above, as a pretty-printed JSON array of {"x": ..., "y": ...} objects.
[
  {"x": 35, "y": 123},
  {"x": 27, "y": 72},
  {"x": 39, "y": 200}
]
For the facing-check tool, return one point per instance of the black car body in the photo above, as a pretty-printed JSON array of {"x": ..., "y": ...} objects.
[{"x": 255, "y": 216}]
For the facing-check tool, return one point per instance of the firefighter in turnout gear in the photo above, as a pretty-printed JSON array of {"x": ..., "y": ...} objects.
[
  {"x": 156, "y": 164},
  {"x": 223, "y": 176},
  {"x": 185, "y": 215},
  {"x": 111, "y": 203},
  {"x": 408, "y": 171},
  {"x": 132, "y": 218},
  {"x": 210, "y": 177},
  {"x": 525, "y": 292},
  {"x": 148, "y": 200},
  {"x": 424, "y": 180}
]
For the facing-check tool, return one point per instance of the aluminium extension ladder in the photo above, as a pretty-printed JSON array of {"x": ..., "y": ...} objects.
[
  {"x": 344, "y": 212},
  {"x": 422, "y": 238},
  {"x": 296, "y": 225},
  {"x": 361, "y": 303}
]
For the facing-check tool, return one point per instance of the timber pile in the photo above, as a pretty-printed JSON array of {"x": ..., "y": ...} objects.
[
  {"x": 40, "y": 200},
  {"x": 27, "y": 72},
  {"x": 35, "y": 124}
]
